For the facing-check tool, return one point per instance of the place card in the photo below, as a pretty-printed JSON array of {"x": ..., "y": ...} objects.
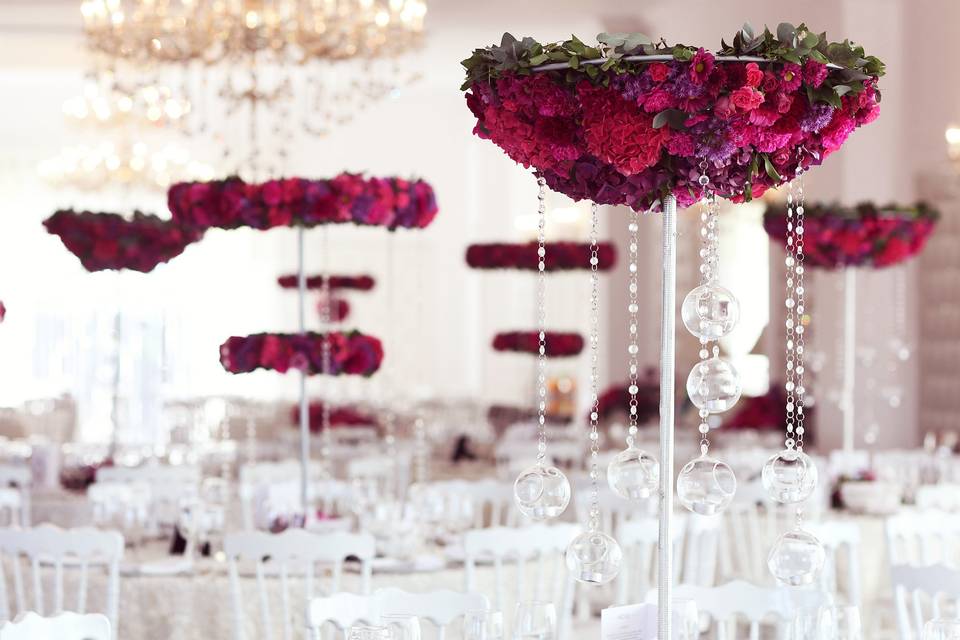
[{"x": 629, "y": 622}]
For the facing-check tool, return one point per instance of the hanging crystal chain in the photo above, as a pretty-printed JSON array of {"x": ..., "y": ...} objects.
[
  {"x": 633, "y": 309},
  {"x": 795, "y": 309},
  {"x": 594, "y": 372},
  {"x": 541, "y": 321},
  {"x": 709, "y": 268},
  {"x": 326, "y": 437}
]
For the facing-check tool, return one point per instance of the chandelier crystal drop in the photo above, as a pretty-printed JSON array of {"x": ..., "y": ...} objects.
[
  {"x": 710, "y": 311},
  {"x": 193, "y": 30},
  {"x": 633, "y": 474},
  {"x": 541, "y": 492}
]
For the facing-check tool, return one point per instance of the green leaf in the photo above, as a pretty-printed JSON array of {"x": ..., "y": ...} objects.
[
  {"x": 574, "y": 62},
  {"x": 770, "y": 169},
  {"x": 540, "y": 59},
  {"x": 819, "y": 57},
  {"x": 507, "y": 40},
  {"x": 841, "y": 89},
  {"x": 674, "y": 117},
  {"x": 810, "y": 40},
  {"x": 634, "y": 41}
]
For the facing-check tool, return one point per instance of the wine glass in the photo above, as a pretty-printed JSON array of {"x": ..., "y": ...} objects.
[
  {"x": 401, "y": 627},
  {"x": 941, "y": 629},
  {"x": 840, "y": 623},
  {"x": 483, "y": 624},
  {"x": 535, "y": 620}
]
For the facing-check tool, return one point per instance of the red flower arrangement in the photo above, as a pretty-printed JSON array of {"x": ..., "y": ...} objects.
[
  {"x": 233, "y": 203},
  {"x": 616, "y": 399},
  {"x": 110, "y": 241},
  {"x": 358, "y": 283},
  {"x": 339, "y": 417},
  {"x": 866, "y": 235},
  {"x": 560, "y": 256},
  {"x": 766, "y": 412},
  {"x": 558, "y": 344},
  {"x": 603, "y": 125},
  {"x": 338, "y": 308},
  {"x": 350, "y": 353}
]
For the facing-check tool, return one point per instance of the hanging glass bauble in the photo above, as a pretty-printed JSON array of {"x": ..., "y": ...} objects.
[
  {"x": 713, "y": 385},
  {"x": 594, "y": 557},
  {"x": 706, "y": 485},
  {"x": 541, "y": 492},
  {"x": 789, "y": 476},
  {"x": 710, "y": 311},
  {"x": 796, "y": 558},
  {"x": 633, "y": 474}
]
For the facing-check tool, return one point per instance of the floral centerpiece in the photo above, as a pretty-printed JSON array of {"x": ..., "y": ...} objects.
[
  {"x": 608, "y": 123},
  {"x": 349, "y": 353},
  {"x": 343, "y": 416},
  {"x": 559, "y": 256},
  {"x": 357, "y": 283},
  {"x": 348, "y": 198},
  {"x": 105, "y": 241},
  {"x": 615, "y": 400},
  {"x": 558, "y": 344},
  {"x": 865, "y": 235}
]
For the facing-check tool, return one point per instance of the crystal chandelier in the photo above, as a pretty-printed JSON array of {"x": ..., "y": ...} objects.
[
  {"x": 121, "y": 165},
  {"x": 104, "y": 102},
  {"x": 297, "y": 30}
]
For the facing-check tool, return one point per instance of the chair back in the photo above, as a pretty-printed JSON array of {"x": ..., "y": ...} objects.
[
  {"x": 920, "y": 593},
  {"x": 20, "y": 478},
  {"x": 342, "y": 611},
  {"x": 699, "y": 562},
  {"x": 11, "y": 507},
  {"x": 169, "y": 485},
  {"x": 638, "y": 540},
  {"x": 725, "y": 604},
  {"x": 122, "y": 504},
  {"x": 942, "y": 497},
  {"x": 923, "y": 538},
  {"x": 73, "y": 549},
  {"x": 296, "y": 552},
  {"x": 441, "y": 608},
  {"x": 841, "y": 540},
  {"x": 63, "y": 626},
  {"x": 490, "y": 501},
  {"x": 543, "y": 545}
]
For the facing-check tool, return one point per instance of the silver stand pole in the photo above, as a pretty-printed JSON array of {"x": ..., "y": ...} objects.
[
  {"x": 667, "y": 404},
  {"x": 849, "y": 356},
  {"x": 304, "y": 409}
]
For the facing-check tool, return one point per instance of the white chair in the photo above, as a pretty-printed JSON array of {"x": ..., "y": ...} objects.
[
  {"x": 343, "y": 610},
  {"x": 441, "y": 608},
  {"x": 942, "y": 497},
  {"x": 77, "y": 549},
  {"x": 255, "y": 479},
  {"x": 294, "y": 551},
  {"x": 847, "y": 463},
  {"x": 169, "y": 485},
  {"x": 923, "y": 538},
  {"x": 920, "y": 593},
  {"x": 699, "y": 562},
  {"x": 840, "y": 539},
  {"x": 11, "y": 505},
  {"x": 490, "y": 501},
  {"x": 20, "y": 478},
  {"x": 638, "y": 540},
  {"x": 544, "y": 545},
  {"x": 123, "y": 504},
  {"x": 63, "y": 626},
  {"x": 727, "y": 603}
]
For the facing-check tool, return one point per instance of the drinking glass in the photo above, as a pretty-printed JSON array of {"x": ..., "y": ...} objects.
[
  {"x": 942, "y": 629},
  {"x": 483, "y": 624},
  {"x": 840, "y": 623},
  {"x": 401, "y": 627},
  {"x": 686, "y": 619},
  {"x": 804, "y": 624},
  {"x": 535, "y": 621}
]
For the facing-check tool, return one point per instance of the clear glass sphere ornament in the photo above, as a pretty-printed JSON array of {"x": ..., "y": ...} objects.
[
  {"x": 541, "y": 492},
  {"x": 706, "y": 486},
  {"x": 713, "y": 385},
  {"x": 789, "y": 476},
  {"x": 796, "y": 558},
  {"x": 593, "y": 557},
  {"x": 710, "y": 311},
  {"x": 633, "y": 474}
]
